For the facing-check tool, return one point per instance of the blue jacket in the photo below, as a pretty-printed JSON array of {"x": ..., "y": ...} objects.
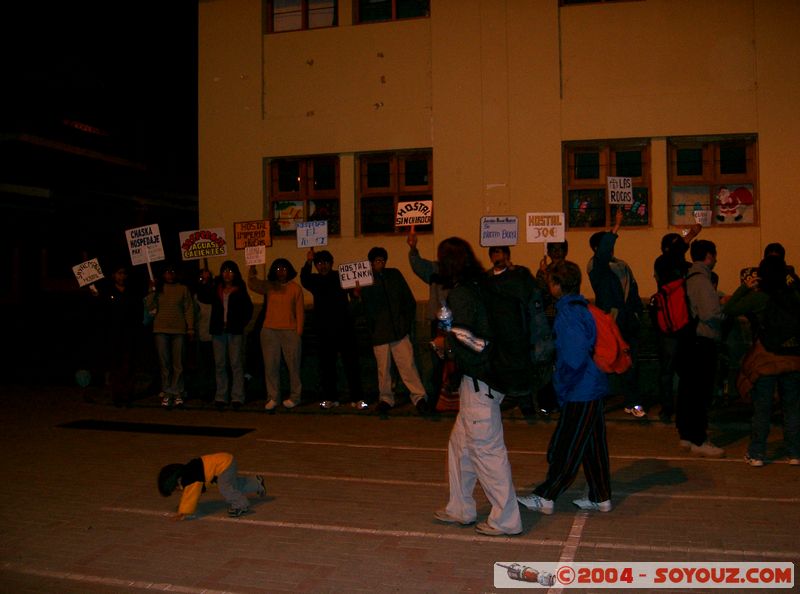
[{"x": 576, "y": 377}]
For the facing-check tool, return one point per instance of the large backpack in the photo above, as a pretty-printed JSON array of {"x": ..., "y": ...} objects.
[
  {"x": 669, "y": 307},
  {"x": 780, "y": 331},
  {"x": 611, "y": 353}
]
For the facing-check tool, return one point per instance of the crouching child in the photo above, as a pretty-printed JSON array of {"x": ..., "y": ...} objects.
[{"x": 197, "y": 474}]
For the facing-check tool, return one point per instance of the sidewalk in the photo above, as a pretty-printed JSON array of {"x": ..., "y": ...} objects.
[{"x": 350, "y": 501}]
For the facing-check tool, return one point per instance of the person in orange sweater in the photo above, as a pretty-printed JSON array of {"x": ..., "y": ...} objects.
[
  {"x": 283, "y": 329},
  {"x": 194, "y": 477}
]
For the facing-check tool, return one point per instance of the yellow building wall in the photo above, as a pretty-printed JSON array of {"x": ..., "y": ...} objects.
[{"x": 495, "y": 87}]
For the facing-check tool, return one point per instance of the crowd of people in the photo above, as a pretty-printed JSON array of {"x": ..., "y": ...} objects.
[{"x": 542, "y": 338}]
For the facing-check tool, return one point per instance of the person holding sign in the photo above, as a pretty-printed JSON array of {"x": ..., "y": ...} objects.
[
  {"x": 174, "y": 320},
  {"x": 616, "y": 292},
  {"x": 390, "y": 309},
  {"x": 283, "y": 329},
  {"x": 335, "y": 327}
]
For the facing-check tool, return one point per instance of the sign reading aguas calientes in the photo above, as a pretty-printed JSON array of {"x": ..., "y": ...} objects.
[
  {"x": 144, "y": 244},
  {"x": 351, "y": 273},
  {"x": 419, "y": 212},
  {"x": 250, "y": 234},
  {"x": 203, "y": 243}
]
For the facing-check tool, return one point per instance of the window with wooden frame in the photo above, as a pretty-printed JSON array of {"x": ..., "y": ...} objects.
[
  {"x": 384, "y": 179},
  {"x": 298, "y": 15},
  {"x": 303, "y": 189},
  {"x": 713, "y": 180},
  {"x": 587, "y": 167},
  {"x": 372, "y": 11}
]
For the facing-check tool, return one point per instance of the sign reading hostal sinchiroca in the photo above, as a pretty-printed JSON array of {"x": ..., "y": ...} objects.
[
  {"x": 419, "y": 212},
  {"x": 203, "y": 243},
  {"x": 144, "y": 244}
]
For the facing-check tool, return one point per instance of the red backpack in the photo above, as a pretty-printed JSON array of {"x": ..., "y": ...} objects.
[
  {"x": 669, "y": 307},
  {"x": 611, "y": 353}
]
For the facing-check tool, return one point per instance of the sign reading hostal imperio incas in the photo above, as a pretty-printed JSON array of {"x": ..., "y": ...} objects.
[{"x": 203, "y": 243}]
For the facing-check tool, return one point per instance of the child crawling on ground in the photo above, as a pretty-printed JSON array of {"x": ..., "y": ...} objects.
[{"x": 197, "y": 474}]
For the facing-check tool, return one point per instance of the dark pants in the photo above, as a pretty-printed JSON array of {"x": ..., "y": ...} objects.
[
  {"x": 667, "y": 367},
  {"x": 579, "y": 440},
  {"x": 332, "y": 343},
  {"x": 697, "y": 369}
]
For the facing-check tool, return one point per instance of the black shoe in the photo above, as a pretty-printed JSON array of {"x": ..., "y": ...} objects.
[
  {"x": 384, "y": 407},
  {"x": 220, "y": 405},
  {"x": 422, "y": 406},
  {"x": 236, "y": 405}
]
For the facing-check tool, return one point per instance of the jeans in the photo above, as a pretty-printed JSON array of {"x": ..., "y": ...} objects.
[
  {"x": 763, "y": 390},
  {"x": 229, "y": 349},
  {"x": 170, "y": 349}
]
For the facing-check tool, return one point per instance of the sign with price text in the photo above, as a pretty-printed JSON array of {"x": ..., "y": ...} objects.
[{"x": 544, "y": 227}]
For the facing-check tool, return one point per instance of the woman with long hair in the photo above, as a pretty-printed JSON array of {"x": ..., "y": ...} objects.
[
  {"x": 282, "y": 331},
  {"x": 231, "y": 310},
  {"x": 476, "y": 450}
]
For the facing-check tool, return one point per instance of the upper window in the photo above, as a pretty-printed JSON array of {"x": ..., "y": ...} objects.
[
  {"x": 388, "y": 178},
  {"x": 587, "y": 167},
  {"x": 713, "y": 180},
  {"x": 370, "y": 11},
  {"x": 296, "y": 15},
  {"x": 303, "y": 189}
]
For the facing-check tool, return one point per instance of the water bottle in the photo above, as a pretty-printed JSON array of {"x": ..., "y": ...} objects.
[{"x": 445, "y": 317}]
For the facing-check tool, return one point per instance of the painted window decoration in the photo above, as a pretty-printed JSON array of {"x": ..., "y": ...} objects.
[{"x": 713, "y": 180}]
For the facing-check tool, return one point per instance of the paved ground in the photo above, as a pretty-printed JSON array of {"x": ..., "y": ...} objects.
[{"x": 350, "y": 502}]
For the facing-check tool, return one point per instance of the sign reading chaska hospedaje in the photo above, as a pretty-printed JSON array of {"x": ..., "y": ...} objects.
[
  {"x": 203, "y": 243},
  {"x": 144, "y": 244}
]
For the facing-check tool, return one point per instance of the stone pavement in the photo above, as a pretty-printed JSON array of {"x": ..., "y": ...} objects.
[{"x": 350, "y": 502}]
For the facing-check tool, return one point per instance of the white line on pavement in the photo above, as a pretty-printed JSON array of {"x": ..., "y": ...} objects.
[
  {"x": 513, "y": 540},
  {"x": 108, "y": 581}
]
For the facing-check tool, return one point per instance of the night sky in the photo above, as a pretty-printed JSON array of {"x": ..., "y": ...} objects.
[{"x": 128, "y": 68}]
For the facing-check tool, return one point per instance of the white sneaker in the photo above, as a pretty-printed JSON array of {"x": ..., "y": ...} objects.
[
  {"x": 271, "y": 405},
  {"x": 166, "y": 400},
  {"x": 584, "y": 503},
  {"x": 360, "y": 405},
  {"x": 289, "y": 403},
  {"x": 707, "y": 450},
  {"x": 794, "y": 461},
  {"x": 755, "y": 462},
  {"x": 535, "y": 503},
  {"x": 327, "y": 404},
  {"x": 637, "y": 411},
  {"x": 685, "y": 444}
]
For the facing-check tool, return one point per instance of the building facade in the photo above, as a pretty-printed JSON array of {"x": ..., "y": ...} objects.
[{"x": 337, "y": 110}]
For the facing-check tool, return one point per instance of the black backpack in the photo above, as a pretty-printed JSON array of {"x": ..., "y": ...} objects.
[{"x": 780, "y": 326}]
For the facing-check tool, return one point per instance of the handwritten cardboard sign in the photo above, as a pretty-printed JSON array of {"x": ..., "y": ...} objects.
[
  {"x": 419, "y": 212},
  {"x": 544, "y": 227},
  {"x": 144, "y": 244},
  {"x": 620, "y": 190},
  {"x": 351, "y": 273},
  {"x": 203, "y": 243},
  {"x": 499, "y": 231},
  {"x": 87, "y": 272},
  {"x": 312, "y": 234},
  {"x": 255, "y": 254},
  {"x": 251, "y": 233}
]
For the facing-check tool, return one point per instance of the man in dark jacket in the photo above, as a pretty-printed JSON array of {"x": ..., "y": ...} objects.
[
  {"x": 335, "y": 329},
  {"x": 390, "y": 310},
  {"x": 616, "y": 292}
]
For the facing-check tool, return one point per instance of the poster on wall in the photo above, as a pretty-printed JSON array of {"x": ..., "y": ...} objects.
[
  {"x": 203, "y": 243},
  {"x": 734, "y": 204},
  {"x": 499, "y": 231}
]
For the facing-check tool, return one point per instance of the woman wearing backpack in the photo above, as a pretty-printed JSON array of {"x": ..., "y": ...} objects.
[{"x": 772, "y": 360}]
